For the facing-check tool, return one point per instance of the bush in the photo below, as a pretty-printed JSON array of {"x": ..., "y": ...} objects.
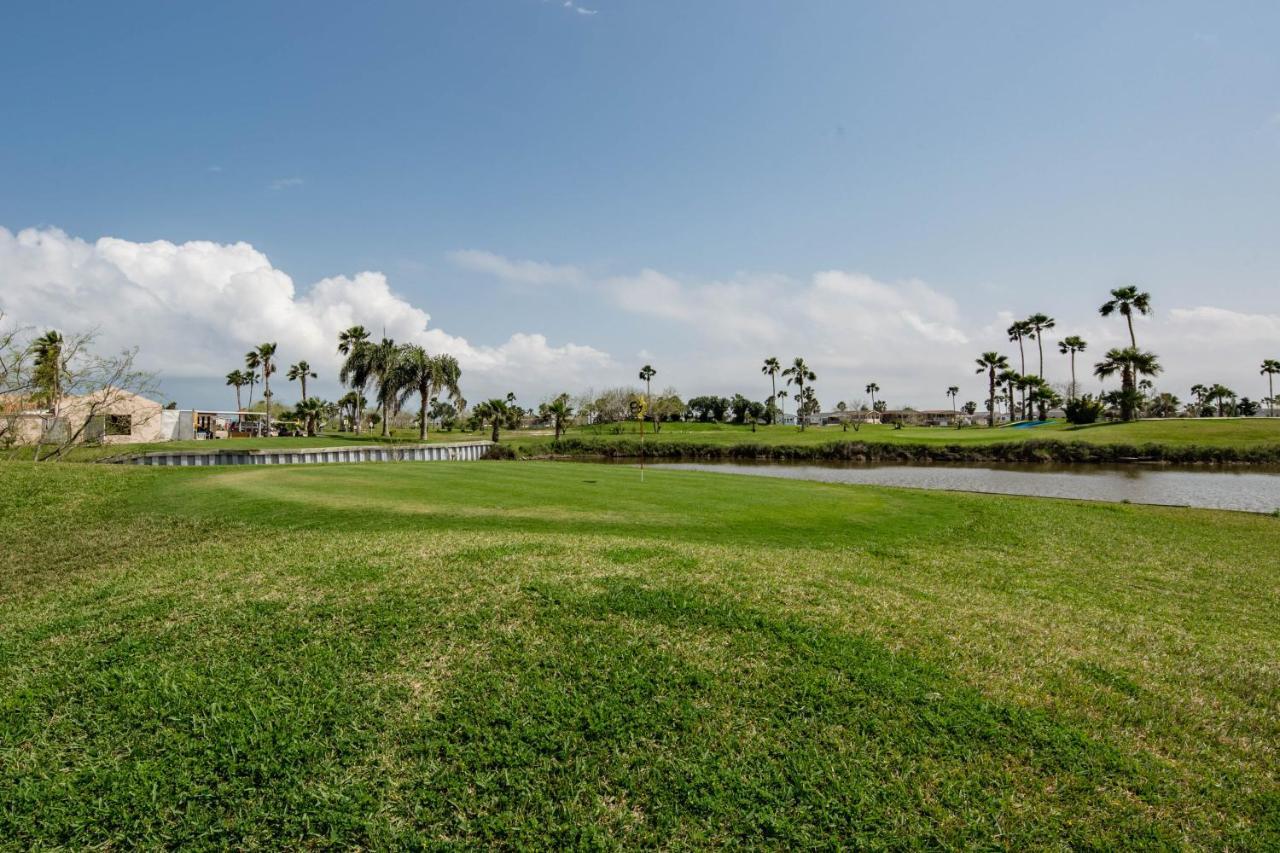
[{"x": 1084, "y": 410}]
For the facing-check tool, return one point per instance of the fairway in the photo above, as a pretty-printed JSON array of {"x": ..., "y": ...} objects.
[{"x": 557, "y": 654}]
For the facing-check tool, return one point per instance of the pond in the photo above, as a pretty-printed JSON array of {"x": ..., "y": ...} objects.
[{"x": 1247, "y": 489}]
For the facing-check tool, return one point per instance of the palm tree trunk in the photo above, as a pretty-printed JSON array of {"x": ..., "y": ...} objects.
[
  {"x": 1271, "y": 389},
  {"x": 495, "y": 429},
  {"x": 239, "y": 408},
  {"x": 304, "y": 387},
  {"x": 991, "y": 402},
  {"x": 422, "y": 419},
  {"x": 385, "y": 412},
  {"x": 773, "y": 384},
  {"x": 1132, "y": 340},
  {"x": 1022, "y": 368},
  {"x": 1073, "y": 375}
]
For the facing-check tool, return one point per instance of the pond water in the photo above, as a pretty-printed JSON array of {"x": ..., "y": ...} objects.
[{"x": 1247, "y": 489}]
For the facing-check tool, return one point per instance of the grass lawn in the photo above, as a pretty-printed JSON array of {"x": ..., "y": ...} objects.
[
  {"x": 554, "y": 654},
  {"x": 1212, "y": 432}
]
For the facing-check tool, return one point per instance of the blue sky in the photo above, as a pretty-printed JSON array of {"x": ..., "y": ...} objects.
[{"x": 1006, "y": 157}]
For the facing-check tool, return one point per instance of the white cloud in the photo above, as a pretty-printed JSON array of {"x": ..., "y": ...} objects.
[
  {"x": 194, "y": 308},
  {"x": 285, "y": 183},
  {"x": 515, "y": 272},
  {"x": 910, "y": 336}
]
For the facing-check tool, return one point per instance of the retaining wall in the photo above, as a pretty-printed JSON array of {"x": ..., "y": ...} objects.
[{"x": 453, "y": 451}]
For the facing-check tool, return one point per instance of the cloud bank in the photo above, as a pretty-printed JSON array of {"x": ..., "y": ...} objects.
[{"x": 194, "y": 308}]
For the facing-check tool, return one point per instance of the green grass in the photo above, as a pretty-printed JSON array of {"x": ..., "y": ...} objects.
[
  {"x": 1212, "y": 432},
  {"x": 552, "y": 654}
]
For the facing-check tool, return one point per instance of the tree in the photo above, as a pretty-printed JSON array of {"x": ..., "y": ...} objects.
[
  {"x": 1009, "y": 379},
  {"x": 667, "y": 407},
  {"x": 559, "y": 411},
  {"x": 1018, "y": 331},
  {"x": 374, "y": 363},
  {"x": 647, "y": 373},
  {"x": 1039, "y": 324},
  {"x": 772, "y": 368},
  {"x": 494, "y": 411},
  {"x": 1246, "y": 408},
  {"x": 349, "y": 342},
  {"x": 1071, "y": 345},
  {"x": 1270, "y": 367},
  {"x": 1127, "y": 300},
  {"x": 419, "y": 373},
  {"x": 237, "y": 379},
  {"x": 1130, "y": 363},
  {"x": 299, "y": 373},
  {"x": 266, "y": 355},
  {"x": 798, "y": 374},
  {"x": 309, "y": 411},
  {"x": 991, "y": 363},
  {"x": 50, "y": 370},
  {"x": 953, "y": 392},
  {"x": 252, "y": 361},
  {"x": 969, "y": 408},
  {"x": 873, "y": 389}
]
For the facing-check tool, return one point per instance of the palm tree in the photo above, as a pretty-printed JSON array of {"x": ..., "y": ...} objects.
[
  {"x": 237, "y": 379},
  {"x": 494, "y": 411},
  {"x": 1130, "y": 363},
  {"x": 377, "y": 363},
  {"x": 50, "y": 369},
  {"x": 1038, "y": 324},
  {"x": 349, "y": 341},
  {"x": 1071, "y": 345},
  {"x": 266, "y": 352},
  {"x": 873, "y": 389},
  {"x": 310, "y": 410},
  {"x": 990, "y": 363},
  {"x": 798, "y": 374},
  {"x": 1009, "y": 378},
  {"x": 772, "y": 367},
  {"x": 953, "y": 392},
  {"x": 647, "y": 373},
  {"x": 1200, "y": 392},
  {"x": 1270, "y": 367},
  {"x": 560, "y": 411},
  {"x": 252, "y": 361},
  {"x": 1126, "y": 300},
  {"x": 299, "y": 373},
  {"x": 1017, "y": 333},
  {"x": 427, "y": 376}
]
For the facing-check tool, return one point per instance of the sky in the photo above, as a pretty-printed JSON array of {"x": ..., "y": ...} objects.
[{"x": 560, "y": 192}]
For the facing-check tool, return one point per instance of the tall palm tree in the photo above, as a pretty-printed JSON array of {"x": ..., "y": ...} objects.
[
  {"x": 1270, "y": 367},
  {"x": 1018, "y": 332},
  {"x": 1130, "y": 363},
  {"x": 1009, "y": 378},
  {"x": 349, "y": 341},
  {"x": 266, "y": 355},
  {"x": 310, "y": 410},
  {"x": 374, "y": 363},
  {"x": 647, "y": 373},
  {"x": 1071, "y": 345},
  {"x": 772, "y": 367},
  {"x": 1126, "y": 300},
  {"x": 237, "y": 379},
  {"x": 50, "y": 369},
  {"x": 1038, "y": 323},
  {"x": 953, "y": 392},
  {"x": 873, "y": 389},
  {"x": 1200, "y": 392},
  {"x": 798, "y": 374},
  {"x": 991, "y": 363},
  {"x": 252, "y": 361},
  {"x": 299, "y": 373}
]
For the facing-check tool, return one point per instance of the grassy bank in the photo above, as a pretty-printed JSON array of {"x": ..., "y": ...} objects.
[{"x": 552, "y": 655}]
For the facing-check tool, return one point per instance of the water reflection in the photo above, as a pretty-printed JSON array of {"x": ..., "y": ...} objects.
[{"x": 1248, "y": 489}]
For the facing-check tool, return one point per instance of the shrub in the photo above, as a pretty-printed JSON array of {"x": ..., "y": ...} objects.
[{"x": 1084, "y": 410}]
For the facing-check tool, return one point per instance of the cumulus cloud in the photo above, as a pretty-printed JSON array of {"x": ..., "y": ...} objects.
[
  {"x": 515, "y": 272},
  {"x": 285, "y": 183},
  {"x": 194, "y": 308}
]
